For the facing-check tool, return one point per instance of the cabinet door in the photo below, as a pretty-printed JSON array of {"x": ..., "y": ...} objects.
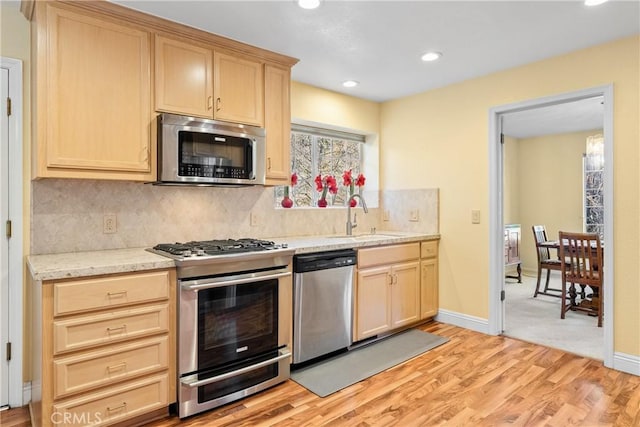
[
  {"x": 429, "y": 288},
  {"x": 183, "y": 78},
  {"x": 373, "y": 302},
  {"x": 94, "y": 102},
  {"x": 405, "y": 294},
  {"x": 277, "y": 122},
  {"x": 238, "y": 88}
]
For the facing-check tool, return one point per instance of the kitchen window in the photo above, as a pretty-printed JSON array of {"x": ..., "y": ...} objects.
[{"x": 317, "y": 151}]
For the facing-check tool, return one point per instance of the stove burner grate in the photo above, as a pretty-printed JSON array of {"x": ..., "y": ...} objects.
[{"x": 216, "y": 247}]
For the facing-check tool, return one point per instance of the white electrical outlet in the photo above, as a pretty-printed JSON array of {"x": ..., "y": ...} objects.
[
  {"x": 414, "y": 215},
  {"x": 109, "y": 224},
  {"x": 475, "y": 216},
  {"x": 253, "y": 219},
  {"x": 385, "y": 215}
]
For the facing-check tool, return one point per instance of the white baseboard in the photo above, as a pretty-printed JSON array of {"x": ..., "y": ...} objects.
[
  {"x": 626, "y": 363},
  {"x": 466, "y": 321},
  {"x": 26, "y": 393}
]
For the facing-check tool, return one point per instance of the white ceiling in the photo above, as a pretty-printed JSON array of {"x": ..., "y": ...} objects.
[
  {"x": 379, "y": 43},
  {"x": 585, "y": 114}
]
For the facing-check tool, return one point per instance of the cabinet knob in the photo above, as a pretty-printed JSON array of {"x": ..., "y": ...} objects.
[
  {"x": 218, "y": 104},
  {"x": 210, "y": 103},
  {"x": 268, "y": 163}
]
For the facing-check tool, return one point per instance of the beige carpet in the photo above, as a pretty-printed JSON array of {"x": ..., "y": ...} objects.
[{"x": 538, "y": 320}]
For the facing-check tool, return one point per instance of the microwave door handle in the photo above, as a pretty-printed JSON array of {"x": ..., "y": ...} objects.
[
  {"x": 284, "y": 354},
  {"x": 195, "y": 286},
  {"x": 254, "y": 161}
]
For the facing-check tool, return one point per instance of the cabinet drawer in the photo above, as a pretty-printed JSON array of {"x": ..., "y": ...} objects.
[
  {"x": 429, "y": 249},
  {"x": 111, "y": 291},
  {"x": 388, "y": 254},
  {"x": 113, "y": 404},
  {"x": 88, "y": 331},
  {"x": 107, "y": 366}
]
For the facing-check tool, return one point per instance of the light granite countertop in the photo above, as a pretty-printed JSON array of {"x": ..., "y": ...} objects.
[{"x": 93, "y": 263}]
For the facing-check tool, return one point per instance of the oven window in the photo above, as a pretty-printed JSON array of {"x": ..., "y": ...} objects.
[
  {"x": 212, "y": 155},
  {"x": 236, "y": 322},
  {"x": 239, "y": 382}
]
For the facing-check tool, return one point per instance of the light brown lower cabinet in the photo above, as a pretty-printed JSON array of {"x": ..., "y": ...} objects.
[
  {"x": 387, "y": 289},
  {"x": 429, "y": 279},
  {"x": 104, "y": 349},
  {"x": 397, "y": 285}
]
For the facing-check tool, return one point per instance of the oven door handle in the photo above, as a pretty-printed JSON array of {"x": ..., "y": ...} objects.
[
  {"x": 196, "y": 285},
  {"x": 284, "y": 354}
]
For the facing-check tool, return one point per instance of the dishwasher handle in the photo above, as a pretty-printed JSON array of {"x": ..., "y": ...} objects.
[{"x": 324, "y": 260}]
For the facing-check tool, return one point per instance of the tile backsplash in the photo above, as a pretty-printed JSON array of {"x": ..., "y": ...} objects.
[{"x": 67, "y": 215}]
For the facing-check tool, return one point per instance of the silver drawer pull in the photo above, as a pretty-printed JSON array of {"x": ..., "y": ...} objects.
[
  {"x": 191, "y": 383},
  {"x": 117, "y": 367},
  {"x": 117, "y": 408},
  {"x": 117, "y": 294},
  {"x": 116, "y": 328}
]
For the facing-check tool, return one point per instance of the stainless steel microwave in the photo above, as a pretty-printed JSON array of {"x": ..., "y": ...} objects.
[{"x": 199, "y": 151}]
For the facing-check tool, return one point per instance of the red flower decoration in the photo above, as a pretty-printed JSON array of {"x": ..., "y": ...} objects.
[
  {"x": 346, "y": 178},
  {"x": 328, "y": 183},
  {"x": 360, "y": 180},
  {"x": 332, "y": 184},
  {"x": 294, "y": 179}
]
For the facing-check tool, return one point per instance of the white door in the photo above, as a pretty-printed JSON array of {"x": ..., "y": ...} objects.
[
  {"x": 12, "y": 391},
  {"x": 4, "y": 245}
]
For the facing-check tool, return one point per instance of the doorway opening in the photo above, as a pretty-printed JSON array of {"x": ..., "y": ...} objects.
[{"x": 498, "y": 118}]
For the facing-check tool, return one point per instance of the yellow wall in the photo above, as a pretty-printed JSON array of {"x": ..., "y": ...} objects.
[
  {"x": 549, "y": 189},
  {"x": 323, "y": 106},
  {"x": 440, "y": 140}
]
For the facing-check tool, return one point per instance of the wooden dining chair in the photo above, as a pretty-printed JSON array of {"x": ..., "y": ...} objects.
[
  {"x": 545, "y": 262},
  {"x": 581, "y": 263}
]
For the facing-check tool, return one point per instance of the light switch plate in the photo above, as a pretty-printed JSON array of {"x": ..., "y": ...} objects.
[
  {"x": 475, "y": 216},
  {"x": 253, "y": 219},
  {"x": 385, "y": 215},
  {"x": 414, "y": 215}
]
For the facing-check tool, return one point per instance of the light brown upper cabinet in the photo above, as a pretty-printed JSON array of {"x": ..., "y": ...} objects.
[
  {"x": 238, "y": 89},
  {"x": 196, "y": 80},
  {"x": 93, "y": 108},
  {"x": 277, "y": 122},
  {"x": 183, "y": 78}
]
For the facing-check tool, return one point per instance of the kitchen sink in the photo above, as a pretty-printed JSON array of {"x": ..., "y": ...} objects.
[{"x": 366, "y": 236}]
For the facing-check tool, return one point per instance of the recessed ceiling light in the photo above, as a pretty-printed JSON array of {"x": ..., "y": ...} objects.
[
  {"x": 594, "y": 2},
  {"x": 350, "y": 83},
  {"x": 431, "y": 56},
  {"x": 308, "y": 4}
]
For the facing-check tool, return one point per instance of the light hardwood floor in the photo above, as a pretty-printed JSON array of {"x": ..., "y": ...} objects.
[{"x": 473, "y": 380}]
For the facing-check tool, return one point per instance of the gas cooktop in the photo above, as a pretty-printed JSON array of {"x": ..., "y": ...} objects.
[{"x": 212, "y": 248}]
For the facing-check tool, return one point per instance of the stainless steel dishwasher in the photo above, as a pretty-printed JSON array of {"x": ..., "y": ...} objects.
[{"x": 322, "y": 303}]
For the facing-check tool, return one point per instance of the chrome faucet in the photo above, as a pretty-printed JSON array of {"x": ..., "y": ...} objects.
[{"x": 354, "y": 224}]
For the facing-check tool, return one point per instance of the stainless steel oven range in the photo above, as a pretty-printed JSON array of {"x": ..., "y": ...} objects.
[{"x": 234, "y": 312}]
